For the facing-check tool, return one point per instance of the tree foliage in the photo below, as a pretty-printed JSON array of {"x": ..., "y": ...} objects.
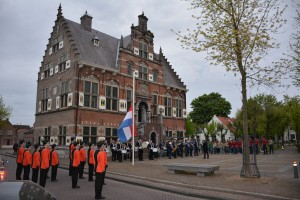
[
  {"x": 236, "y": 34},
  {"x": 4, "y": 112},
  {"x": 206, "y": 106}
]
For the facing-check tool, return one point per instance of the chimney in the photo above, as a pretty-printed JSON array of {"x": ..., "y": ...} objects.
[
  {"x": 143, "y": 22},
  {"x": 86, "y": 22}
]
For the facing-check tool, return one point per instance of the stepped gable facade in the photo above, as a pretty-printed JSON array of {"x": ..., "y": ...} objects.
[{"x": 85, "y": 85}]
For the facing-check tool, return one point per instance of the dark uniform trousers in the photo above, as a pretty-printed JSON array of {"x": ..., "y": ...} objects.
[
  {"x": 70, "y": 168},
  {"x": 80, "y": 168},
  {"x": 74, "y": 176},
  {"x": 54, "y": 172},
  {"x": 26, "y": 172},
  {"x": 91, "y": 172},
  {"x": 19, "y": 171},
  {"x": 35, "y": 174},
  {"x": 43, "y": 177},
  {"x": 99, "y": 184},
  {"x": 140, "y": 154}
]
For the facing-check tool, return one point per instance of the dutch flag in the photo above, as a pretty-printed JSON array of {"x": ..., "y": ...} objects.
[{"x": 125, "y": 130}]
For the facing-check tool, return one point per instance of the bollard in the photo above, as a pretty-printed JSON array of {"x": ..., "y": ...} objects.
[{"x": 295, "y": 169}]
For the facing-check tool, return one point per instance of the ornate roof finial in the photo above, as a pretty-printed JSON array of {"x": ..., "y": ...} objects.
[{"x": 59, "y": 13}]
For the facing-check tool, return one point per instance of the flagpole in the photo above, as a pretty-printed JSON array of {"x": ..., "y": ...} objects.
[{"x": 133, "y": 116}]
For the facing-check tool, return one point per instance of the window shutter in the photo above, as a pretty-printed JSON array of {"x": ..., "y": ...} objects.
[
  {"x": 42, "y": 75},
  {"x": 49, "y": 104},
  {"x": 50, "y": 51},
  {"x": 184, "y": 113},
  {"x": 56, "y": 69},
  {"x": 102, "y": 103},
  {"x": 150, "y": 56},
  {"x": 136, "y": 51},
  {"x": 68, "y": 64},
  {"x": 174, "y": 112},
  {"x": 136, "y": 73},
  {"x": 81, "y": 99},
  {"x": 40, "y": 106},
  {"x": 123, "y": 105},
  {"x": 51, "y": 71},
  {"x": 70, "y": 99},
  {"x": 150, "y": 77},
  {"x": 57, "y": 102},
  {"x": 61, "y": 44}
]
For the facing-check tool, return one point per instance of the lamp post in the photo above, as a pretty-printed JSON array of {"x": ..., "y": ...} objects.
[{"x": 295, "y": 169}]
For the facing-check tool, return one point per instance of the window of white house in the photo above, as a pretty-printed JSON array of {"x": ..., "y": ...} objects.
[
  {"x": 128, "y": 98},
  {"x": 90, "y": 94},
  {"x": 155, "y": 103},
  {"x": 62, "y": 135},
  {"x": 55, "y": 43},
  {"x": 47, "y": 133},
  {"x": 46, "y": 70},
  {"x": 44, "y": 99},
  {"x": 89, "y": 134},
  {"x": 168, "y": 106},
  {"x": 155, "y": 76},
  {"x": 63, "y": 62},
  {"x": 129, "y": 69},
  {"x": 143, "y": 50},
  {"x": 143, "y": 72},
  {"x": 178, "y": 105},
  {"x": 65, "y": 89},
  {"x": 112, "y": 95},
  {"x": 111, "y": 134}
]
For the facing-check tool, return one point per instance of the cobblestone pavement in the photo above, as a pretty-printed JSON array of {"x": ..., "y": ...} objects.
[{"x": 277, "y": 177}]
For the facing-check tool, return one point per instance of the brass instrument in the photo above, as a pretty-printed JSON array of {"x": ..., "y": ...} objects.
[{"x": 175, "y": 148}]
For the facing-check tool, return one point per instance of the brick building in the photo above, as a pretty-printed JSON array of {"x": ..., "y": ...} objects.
[
  {"x": 85, "y": 85},
  {"x": 8, "y": 135}
]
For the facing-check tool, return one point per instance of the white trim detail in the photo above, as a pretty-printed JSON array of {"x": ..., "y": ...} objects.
[
  {"x": 50, "y": 51},
  {"x": 68, "y": 140},
  {"x": 56, "y": 69},
  {"x": 42, "y": 75},
  {"x": 123, "y": 105},
  {"x": 57, "y": 102},
  {"x": 136, "y": 51},
  {"x": 136, "y": 73},
  {"x": 102, "y": 102},
  {"x": 70, "y": 99},
  {"x": 81, "y": 99},
  {"x": 150, "y": 56},
  {"x": 184, "y": 113},
  {"x": 60, "y": 44},
  {"x": 49, "y": 104},
  {"x": 150, "y": 77},
  {"x": 40, "y": 106},
  {"x": 68, "y": 64},
  {"x": 174, "y": 112},
  {"x": 51, "y": 71}
]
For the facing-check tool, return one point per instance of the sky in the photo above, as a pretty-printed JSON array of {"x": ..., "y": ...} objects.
[{"x": 26, "y": 26}]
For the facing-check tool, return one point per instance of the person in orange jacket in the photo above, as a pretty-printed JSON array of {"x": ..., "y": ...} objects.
[
  {"x": 54, "y": 163},
  {"x": 45, "y": 158},
  {"x": 82, "y": 160},
  {"x": 91, "y": 161},
  {"x": 20, "y": 160},
  {"x": 75, "y": 165},
  {"x": 36, "y": 162},
  {"x": 100, "y": 165},
  {"x": 71, "y": 147},
  {"x": 27, "y": 160}
]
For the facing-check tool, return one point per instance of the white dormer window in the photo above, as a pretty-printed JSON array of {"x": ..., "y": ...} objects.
[{"x": 96, "y": 41}]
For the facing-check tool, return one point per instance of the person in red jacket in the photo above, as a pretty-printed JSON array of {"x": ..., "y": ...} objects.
[
  {"x": 45, "y": 158},
  {"x": 54, "y": 163},
  {"x": 71, "y": 147},
  {"x": 19, "y": 160},
  {"x": 91, "y": 161},
  {"x": 82, "y": 160},
  {"x": 36, "y": 162},
  {"x": 75, "y": 165},
  {"x": 27, "y": 160},
  {"x": 100, "y": 164}
]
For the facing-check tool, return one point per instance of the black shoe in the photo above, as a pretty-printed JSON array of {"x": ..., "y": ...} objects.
[
  {"x": 77, "y": 186},
  {"x": 91, "y": 180},
  {"x": 81, "y": 178},
  {"x": 54, "y": 180}
]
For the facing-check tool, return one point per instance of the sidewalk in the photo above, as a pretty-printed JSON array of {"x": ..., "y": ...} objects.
[{"x": 277, "y": 176}]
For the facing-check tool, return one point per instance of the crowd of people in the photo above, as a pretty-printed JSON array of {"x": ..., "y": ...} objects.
[{"x": 42, "y": 158}]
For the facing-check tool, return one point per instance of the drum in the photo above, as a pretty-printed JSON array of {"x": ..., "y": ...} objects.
[
  {"x": 136, "y": 148},
  {"x": 123, "y": 151},
  {"x": 107, "y": 150},
  {"x": 154, "y": 149}
]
